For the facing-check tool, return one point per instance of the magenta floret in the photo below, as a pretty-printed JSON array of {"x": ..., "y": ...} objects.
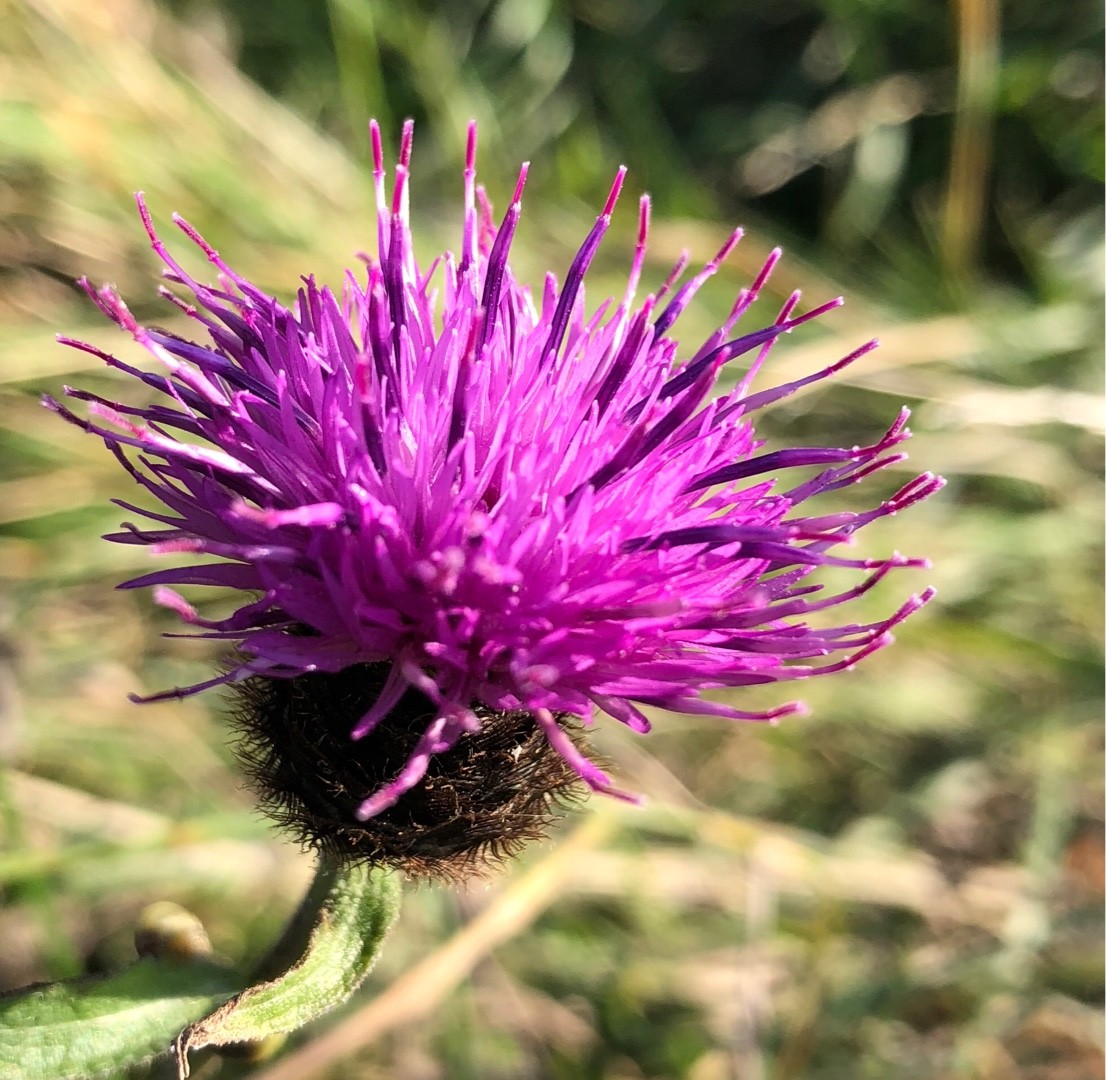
[{"x": 517, "y": 505}]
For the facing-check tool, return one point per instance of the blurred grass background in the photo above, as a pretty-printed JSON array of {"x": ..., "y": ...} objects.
[{"x": 907, "y": 884}]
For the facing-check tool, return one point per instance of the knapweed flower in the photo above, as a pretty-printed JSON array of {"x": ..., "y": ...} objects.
[{"x": 460, "y": 519}]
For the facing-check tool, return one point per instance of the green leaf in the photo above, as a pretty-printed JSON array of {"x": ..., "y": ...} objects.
[
  {"x": 337, "y": 935},
  {"x": 86, "y": 1028}
]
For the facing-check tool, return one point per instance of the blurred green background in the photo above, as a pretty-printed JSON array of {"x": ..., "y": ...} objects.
[{"x": 908, "y": 883}]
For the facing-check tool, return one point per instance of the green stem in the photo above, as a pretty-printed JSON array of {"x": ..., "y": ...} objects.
[{"x": 337, "y": 935}]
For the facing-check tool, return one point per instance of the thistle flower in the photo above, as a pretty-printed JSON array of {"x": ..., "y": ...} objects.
[{"x": 459, "y": 520}]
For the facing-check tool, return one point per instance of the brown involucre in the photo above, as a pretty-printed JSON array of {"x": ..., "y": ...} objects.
[{"x": 480, "y": 802}]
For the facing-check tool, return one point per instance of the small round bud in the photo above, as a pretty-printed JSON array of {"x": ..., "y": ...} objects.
[{"x": 167, "y": 931}]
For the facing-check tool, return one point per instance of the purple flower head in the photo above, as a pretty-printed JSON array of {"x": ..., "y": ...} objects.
[{"x": 436, "y": 487}]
